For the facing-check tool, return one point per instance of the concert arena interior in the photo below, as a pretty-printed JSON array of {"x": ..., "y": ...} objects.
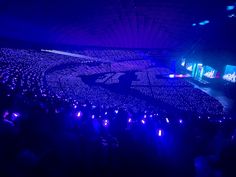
[{"x": 106, "y": 88}]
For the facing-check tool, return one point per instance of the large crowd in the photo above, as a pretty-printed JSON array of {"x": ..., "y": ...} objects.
[
  {"x": 52, "y": 75},
  {"x": 113, "y": 54},
  {"x": 50, "y": 137},
  {"x": 59, "y": 119}
]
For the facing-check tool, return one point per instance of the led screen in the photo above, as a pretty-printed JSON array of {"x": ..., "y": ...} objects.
[
  {"x": 229, "y": 74},
  {"x": 189, "y": 66},
  {"x": 209, "y": 72}
]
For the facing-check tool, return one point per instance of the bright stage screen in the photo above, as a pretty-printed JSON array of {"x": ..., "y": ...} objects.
[
  {"x": 189, "y": 66},
  {"x": 209, "y": 72},
  {"x": 229, "y": 74}
]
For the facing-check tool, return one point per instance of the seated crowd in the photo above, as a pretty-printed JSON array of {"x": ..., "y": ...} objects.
[{"x": 53, "y": 123}]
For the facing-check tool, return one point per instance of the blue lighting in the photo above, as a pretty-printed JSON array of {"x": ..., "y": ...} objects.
[
  {"x": 143, "y": 121},
  {"x": 105, "y": 123},
  {"x": 16, "y": 114},
  {"x": 231, "y": 15},
  {"x": 231, "y": 7},
  {"x": 167, "y": 120},
  {"x": 194, "y": 24},
  {"x": 171, "y": 76},
  {"x": 6, "y": 113},
  {"x": 129, "y": 120},
  {"x": 204, "y": 22},
  {"x": 159, "y": 132},
  {"x": 79, "y": 114},
  {"x": 180, "y": 121},
  {"x": 93, "y": 116},
  {"x": 230, "y": 73}
]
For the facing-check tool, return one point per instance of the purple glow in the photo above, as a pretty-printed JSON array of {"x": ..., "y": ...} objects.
[
  {"x": 105, "y": 123},
  {"x": 167, "y": 120},
  {"x": 93, "y": 116},
  {"x": 180, "y": 121},
  {"x": 79, "y": 114},
  {"x": 129, "y": 120},
  {"x": 9, "y": 122},
  {"x": 6, "y": 113},
  {"x": 145, "y": 116},
  {"x": 75, "y": 106},
  {"x": 151, "y": 116},
  {"x": 105, "y": 113},
  {"x": 159, "y": 132},
  {"x": 143, "y": 121},
  {"x": 116, "y": 111},
  {"x": 171, "y": 76},
  {"x": 16, "y": 114},
  {"x": 57, "y": 111}
]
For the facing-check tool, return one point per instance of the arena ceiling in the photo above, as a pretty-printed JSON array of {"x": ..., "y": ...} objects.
[{"x": 162, "y": 24}]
